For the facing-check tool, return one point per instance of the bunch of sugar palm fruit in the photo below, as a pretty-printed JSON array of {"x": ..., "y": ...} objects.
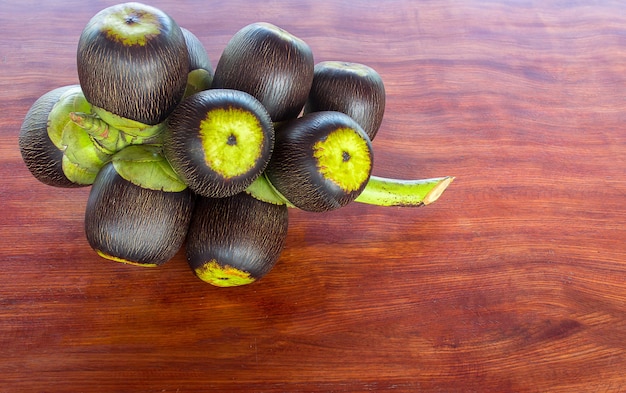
[{"x": 177, "y": 152}]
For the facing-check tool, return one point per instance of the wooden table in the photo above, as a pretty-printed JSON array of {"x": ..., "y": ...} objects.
[{"x": 513, "y": 281}]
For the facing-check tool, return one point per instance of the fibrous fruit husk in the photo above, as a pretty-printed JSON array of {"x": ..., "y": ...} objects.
[
  {"x": 235, "y": 240},
  {"x": 133, "y": 62},
  {"x": 219, "y": 141},
  {"x": 322, "y": 161},
  {"x": 271, "y": 64},
  {"x": 352, "y": 88},
  {"x": 128, "y": 223}
]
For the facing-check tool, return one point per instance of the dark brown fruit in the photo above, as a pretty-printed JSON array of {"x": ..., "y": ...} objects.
[
  {"x": 200, "y": 75},
  {"x": 219, "y": 141},
  {"x": 236, "y": 240},
  {"x": 198, "y": 56},
  {"x": 133, "y": 62},
  {"x": 271, "y": 64},
  {"x": 136, "y": 225},
  {"x": 321, "y": 161},
  {"x": 352, "y": 88},
  {"x": 42, "y": 158}
]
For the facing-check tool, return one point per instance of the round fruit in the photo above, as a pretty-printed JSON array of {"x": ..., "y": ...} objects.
[
  {"x": 236, "y": 240},
  {"x": 352, "y": 88},
  {"x": 219, "y": 141},
  {"x": 200, "y": 74},
  {"x": 133, "y": 62},
  {"x": 321, "y": 161},
  {"x": 271, "y": 64},
  {"x": 131, "y": 224}
]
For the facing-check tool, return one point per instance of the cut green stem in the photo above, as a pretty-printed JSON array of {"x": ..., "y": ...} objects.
[
  {"x": 105, "y": 135},
  {"x": 379, "y": 191},
  {"x": 112, "y": 138},
  {"x": 382, "y": 191}
]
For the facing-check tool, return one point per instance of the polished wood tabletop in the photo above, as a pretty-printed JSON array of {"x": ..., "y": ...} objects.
[{"x": 513, "y": 281}]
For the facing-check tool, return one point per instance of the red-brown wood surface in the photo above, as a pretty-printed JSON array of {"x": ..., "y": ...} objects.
[{"x": 513, "y": 281}]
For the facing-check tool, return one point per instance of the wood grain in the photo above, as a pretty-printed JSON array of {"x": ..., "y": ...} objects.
[{"x": 514, "y": 281}]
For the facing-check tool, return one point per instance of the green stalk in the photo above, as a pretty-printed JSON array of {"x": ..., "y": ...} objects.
[
  {"x": 136, "y": 132},
  {"x": 394, "y": 192},
  {"x": 106, "y": 136},
  {"x": 379, "y": 191},
  {"x": 117, "y": 132}
]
